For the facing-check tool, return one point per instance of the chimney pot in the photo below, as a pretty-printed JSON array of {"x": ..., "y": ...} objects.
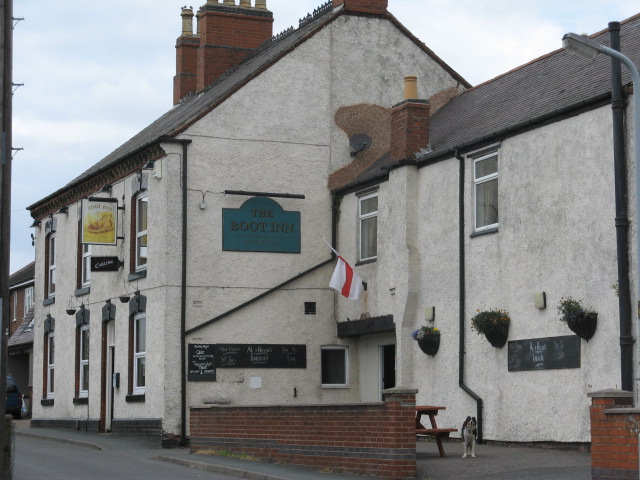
[
  {"x": 261, "y": 4},
  {"x": 187, "y": 22},
  {"x": 245, "y": 3},
  {"x": 230, "y": 2},
  {"x": 410, "y": 87}
]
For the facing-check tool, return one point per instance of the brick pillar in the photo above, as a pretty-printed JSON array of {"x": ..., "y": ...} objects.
[
  {"x": 363, "y": 6},
  {"x": 186, "y": 58},
  {"x": 401, "y": 405},
  {"x": 615, "y": 426}
]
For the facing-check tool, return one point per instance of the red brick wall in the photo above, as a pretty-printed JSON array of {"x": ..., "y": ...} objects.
[
  {"x": 367, "y": 439},
  {"x": 409, "y": 129},
  {"x": 366, "y": 6},
  {"x": 615, "y": 426}
]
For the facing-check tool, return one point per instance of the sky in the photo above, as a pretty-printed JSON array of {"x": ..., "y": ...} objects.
[{"x": 96, "y": 73}]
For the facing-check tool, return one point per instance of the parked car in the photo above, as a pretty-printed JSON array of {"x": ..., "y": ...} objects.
[{"x": 14, "y": 398}]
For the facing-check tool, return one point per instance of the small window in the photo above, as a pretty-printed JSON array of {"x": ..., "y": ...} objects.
[
  {"x": 14, "y": 315},
  {"x": 51, "y": 266},
  {"x": 83, "y": 361},
  {"x": 335, "y": 366},
  {"x": 139, "y": 354},
  {"x": 485, "y": 179},
  {"x": 309, "y": 308},
  {"x": 141, "y": 231},
  {"x": 28, "y": 299},
  {"x": 50, "y": 364},
  {"x": 86, "y": 265},
  {"x": 368, "y": 226}
]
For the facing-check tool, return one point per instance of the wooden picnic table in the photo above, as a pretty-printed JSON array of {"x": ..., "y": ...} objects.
[{"x": 434, "y": 431}]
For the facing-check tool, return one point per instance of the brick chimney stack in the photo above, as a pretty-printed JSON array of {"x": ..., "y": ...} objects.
[
  {"x": 409, "y": 124},
  {"x": 363, "y": 6},
  {"x": 227, "y": 34}
]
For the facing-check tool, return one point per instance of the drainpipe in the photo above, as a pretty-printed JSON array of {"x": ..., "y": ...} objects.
[
  {"x": 622, "y": 217},
  {"x": 462, "y": 278},
  {"x": 183, "y": 290}
]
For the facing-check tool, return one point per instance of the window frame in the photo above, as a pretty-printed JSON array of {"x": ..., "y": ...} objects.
[
  {"x": 14, "y": 310},
  {"x": 85, "y": 264},
  {"x": 137, "y": 389},
  {"x": 138, "y": 233},
  {"x": 51, "y": 265},
  {"x": 83, "y": 390},
  {"x": 343, "y": 348},
  {"x": 477, "y": 181},
  {"x": 362, "y": 218},
  {"x": 29, "y": 299},
  {"x": 50, "y": 339}
]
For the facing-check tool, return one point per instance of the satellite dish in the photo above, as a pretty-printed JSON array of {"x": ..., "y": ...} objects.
[{"x": 359, "y": 142}]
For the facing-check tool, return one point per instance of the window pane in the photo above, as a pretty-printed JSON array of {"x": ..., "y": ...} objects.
[
  {"x": 369, "y": 205},
  {"x": 84, "y": 342},
  {"x": 51, "y": 379},
  {"x": 140, "y": 335},
  {"x": 84, "y": 377},
  {"x": 140, "y": 371},
  {"x": 486, "y": 167},
  {"x": 369, "y": 237},
  {"x": 142, "y": 250},
  {"x": 142, "y": 214},
  {"x": 334, "y": 367},
  {"x": 487, "y": 203},
  {"x": 52, "y": 281},
  {"x": 51, "y": 350},
  {"x": 52, "y": 251},
  {"x": 86, "y": 270}
]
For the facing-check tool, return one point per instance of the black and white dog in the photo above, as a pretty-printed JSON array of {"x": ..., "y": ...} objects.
[{"x": 469, "y": 434}]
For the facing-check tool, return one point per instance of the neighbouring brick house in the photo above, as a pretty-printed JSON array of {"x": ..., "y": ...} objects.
[
  {"x": 219, "y": 208},
  {"x": 20, "y": 343}
]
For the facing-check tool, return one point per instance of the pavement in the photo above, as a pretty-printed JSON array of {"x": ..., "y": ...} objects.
[{"x": 493, "y": 461}]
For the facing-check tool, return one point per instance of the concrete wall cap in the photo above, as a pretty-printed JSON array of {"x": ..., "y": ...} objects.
[
  {"x": 400, "y": 391},
  {"x": 610, "y": 393}
]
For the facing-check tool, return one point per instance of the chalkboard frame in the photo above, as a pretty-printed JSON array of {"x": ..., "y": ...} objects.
[
  {"x": 194, "y": 358},
  {"x": 261, "y": 355}
]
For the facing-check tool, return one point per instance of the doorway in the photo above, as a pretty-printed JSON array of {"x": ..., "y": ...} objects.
[
  {"x": 387, "y": 355},
  {"x": 108, "y": 386}
]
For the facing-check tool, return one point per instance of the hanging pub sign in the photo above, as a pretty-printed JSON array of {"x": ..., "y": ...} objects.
[
  {"x": 260, "y": 225},
  {"x": 99, "y": 221},
  {"x": 105, "y": 264}
]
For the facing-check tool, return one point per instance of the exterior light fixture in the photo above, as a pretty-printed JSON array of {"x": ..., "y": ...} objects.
[
  {"x": 36, "y": 223},
  {"x": 581, "y": 45},
  {"x": 63, "y": 209},
  {"x": 106, "y": 189}
]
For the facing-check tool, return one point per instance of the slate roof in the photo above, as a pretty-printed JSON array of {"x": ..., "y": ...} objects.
[
  {"x": 24, "y": 333},
  {"x": 25, "y": 274},
  {"x": 544, "y": 86},
  {"x": 197, "y": 106}
]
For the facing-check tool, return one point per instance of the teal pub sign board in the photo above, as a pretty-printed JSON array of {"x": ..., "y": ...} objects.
[{"x": 260, "y": 225}]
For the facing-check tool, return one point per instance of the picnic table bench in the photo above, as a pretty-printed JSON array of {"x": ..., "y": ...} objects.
[{"x": 434, "y": 431}]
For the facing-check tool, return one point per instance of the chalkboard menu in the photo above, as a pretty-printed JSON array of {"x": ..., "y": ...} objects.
[
  {"x": 261, "y": 356},
  {"x": 201, "y": 363},
  {"x": 544, "y": 353}
]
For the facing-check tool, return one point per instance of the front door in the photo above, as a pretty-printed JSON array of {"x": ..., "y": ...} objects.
[
  {"x": 108, "y": 379},
  {"x": 387, "y": 367}
]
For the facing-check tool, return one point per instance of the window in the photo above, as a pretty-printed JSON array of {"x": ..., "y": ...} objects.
[
  {"x": 485, "y": 179},
  {"x": 28, "y": 299},
  {"x": 83, "y": 361},
  {"x": 139, "y": 353},
  {"x": 14, "y": 314},
  {"x": 141, "y": 231},
  {"x": 85, "y": 275},
  {"x": 50, "y": 253},
  {"x": 335, "y": 366},
  {"x": 368, "y": 226},
  {"x": 50, "y": 364}
]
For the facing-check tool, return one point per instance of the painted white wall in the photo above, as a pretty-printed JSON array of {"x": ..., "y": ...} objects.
[{"x": 556, "y": 234}]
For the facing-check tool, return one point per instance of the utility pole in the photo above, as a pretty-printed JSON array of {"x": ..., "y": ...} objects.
[{"x": 6, "y": 79}]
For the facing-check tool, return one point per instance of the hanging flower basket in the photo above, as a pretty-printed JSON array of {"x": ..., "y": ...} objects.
[
  {"x": 430, "y": 344},
  {"x": 428, "y": 339},
  {"x": 580, "y": 321},
  {"x": 493, "y": 324}
]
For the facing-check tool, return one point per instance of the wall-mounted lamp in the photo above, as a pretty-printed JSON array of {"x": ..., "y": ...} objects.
[
  {"x": 106, "y": 189},
  {"x": 64, "y": 209},
  {"x": 36, "y": 223},
  {"x": 148, "y": 166}
]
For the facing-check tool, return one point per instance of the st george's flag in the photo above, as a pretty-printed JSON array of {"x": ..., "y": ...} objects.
[{"x": 345, "y": 280}]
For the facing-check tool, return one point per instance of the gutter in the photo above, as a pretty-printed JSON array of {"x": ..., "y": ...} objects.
[
  {"x": 462, "y": 299},
  {"x": 183, "y": 288}
]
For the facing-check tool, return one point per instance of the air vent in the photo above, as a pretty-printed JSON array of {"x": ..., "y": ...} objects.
[{"x": 309, "y": 308}]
